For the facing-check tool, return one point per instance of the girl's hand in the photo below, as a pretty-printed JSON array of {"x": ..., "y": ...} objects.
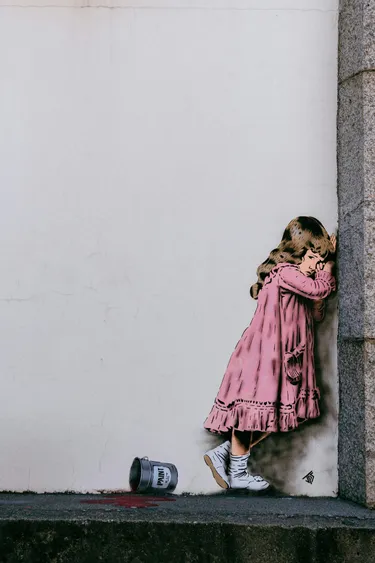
[
  {"x": 319, "y": 266},
  {"x": 333, "y": 240},
  {"x": 328, "y": 267}
]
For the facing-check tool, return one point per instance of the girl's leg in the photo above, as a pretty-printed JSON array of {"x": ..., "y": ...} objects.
[
  {"x": 259, "y": 439},
  {"x": 238, "y": 475},
  {"x": 240, "y": 442}
]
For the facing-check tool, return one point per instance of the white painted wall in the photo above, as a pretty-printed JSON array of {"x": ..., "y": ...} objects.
[{"x": 151, "y": 155}]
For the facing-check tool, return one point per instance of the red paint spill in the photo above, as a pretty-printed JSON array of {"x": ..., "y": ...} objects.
[{"x": 130, "y": 501}]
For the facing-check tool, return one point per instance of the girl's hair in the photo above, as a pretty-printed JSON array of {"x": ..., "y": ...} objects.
[{"x": 302, "y": 234}]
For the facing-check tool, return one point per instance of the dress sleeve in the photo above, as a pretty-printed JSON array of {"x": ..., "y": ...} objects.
[{"x": 295, "y": 281}]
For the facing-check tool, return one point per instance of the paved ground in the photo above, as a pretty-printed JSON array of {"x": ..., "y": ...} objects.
[
  {"x": 221, "y": 508},
  {"x": 223, "y": 528}
]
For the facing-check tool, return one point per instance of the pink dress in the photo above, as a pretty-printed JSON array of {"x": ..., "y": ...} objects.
[{"x": 270, "y": 381}]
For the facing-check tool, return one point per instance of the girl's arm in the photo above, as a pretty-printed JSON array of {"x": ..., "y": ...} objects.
[
  {"x": 295, "y": 281},
  {"x": 318, "y": 310}
]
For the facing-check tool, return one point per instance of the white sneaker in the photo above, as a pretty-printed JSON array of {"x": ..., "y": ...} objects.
[
  {"x": 217, "y": 460},
  {"x": 249, "y": 482},
  {"x": 240, "y": 478}
]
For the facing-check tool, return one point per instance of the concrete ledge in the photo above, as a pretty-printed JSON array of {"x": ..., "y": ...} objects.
[{"x": 222, "y": 528}]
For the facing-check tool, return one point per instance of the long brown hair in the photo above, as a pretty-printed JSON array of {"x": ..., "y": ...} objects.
[{"x": 302, "y": 234}]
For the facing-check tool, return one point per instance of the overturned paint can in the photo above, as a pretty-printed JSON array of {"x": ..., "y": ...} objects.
[{"x": 147, "y": 475}]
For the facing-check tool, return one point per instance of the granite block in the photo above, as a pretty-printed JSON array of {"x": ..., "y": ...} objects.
[
  {"x": 352, "y": 443},
  {"x": 356, "y": 37}
]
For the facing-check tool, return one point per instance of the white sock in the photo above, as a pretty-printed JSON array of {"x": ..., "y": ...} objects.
[{"x": 238, "y": 465}]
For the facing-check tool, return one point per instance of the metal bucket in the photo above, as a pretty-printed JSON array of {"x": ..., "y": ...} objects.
[{"x": 146, "y": 475}]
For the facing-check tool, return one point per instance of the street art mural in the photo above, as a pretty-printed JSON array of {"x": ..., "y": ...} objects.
[
  {"x": 134, "y": 219},
  {"x": 270, "y": 384}
]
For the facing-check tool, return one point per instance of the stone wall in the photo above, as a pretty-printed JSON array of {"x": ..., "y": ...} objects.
[{"x": 356, "y": 191}]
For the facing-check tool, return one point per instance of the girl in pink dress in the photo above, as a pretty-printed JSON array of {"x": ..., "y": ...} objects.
[{"x": 269, "y": 384}]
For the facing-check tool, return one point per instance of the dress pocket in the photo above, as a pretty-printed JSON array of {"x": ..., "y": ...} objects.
[{"x": 293, "y": 364}]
